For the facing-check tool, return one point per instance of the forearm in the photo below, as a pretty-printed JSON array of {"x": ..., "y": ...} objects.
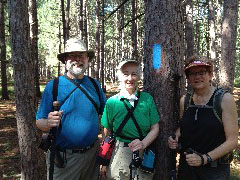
[
  {"x": 42, "y": 124},
  {"x": 153, "y": 133},
  {"x": 223, "y": 149}
]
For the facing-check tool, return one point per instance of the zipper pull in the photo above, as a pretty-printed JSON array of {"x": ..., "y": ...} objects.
[{"x": 196, "y": 114}]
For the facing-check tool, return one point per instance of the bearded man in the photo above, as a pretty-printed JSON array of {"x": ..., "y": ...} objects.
[{"x": 77, "y": 121}]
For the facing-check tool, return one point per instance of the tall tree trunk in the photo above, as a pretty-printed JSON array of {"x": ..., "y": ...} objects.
[
  {"x": 228, "y": 46},
  {"x": 212, "y": 29},
  {"x": 102, "y": 49},
  {"x": 98, "y": 20},
  {"x": 197, "y": 34},
  {"x": 3, "y": 52},
  {"x": 24, "y": 89},
  {"x": 134, "y": 32},
  {"x": 162, "y": 73},
  {"x": 34, "y": 41},
  {"x": 189, "y": 29},
  {"x": 67, "y": 19},
  {"x": 63, "y": 22}
]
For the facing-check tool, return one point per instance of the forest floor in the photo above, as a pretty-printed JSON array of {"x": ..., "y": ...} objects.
[{"x": 9, "y": 150}]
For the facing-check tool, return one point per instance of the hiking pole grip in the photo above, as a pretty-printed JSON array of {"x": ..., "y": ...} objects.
[
  {"x": 56, "y": 105},
  {"x": 173, "y": 175}
]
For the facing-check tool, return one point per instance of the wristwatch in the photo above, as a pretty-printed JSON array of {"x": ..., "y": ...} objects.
[{"x": 209, "y": 159}]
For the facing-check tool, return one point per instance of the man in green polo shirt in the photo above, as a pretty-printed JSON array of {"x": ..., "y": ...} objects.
[{"x": 130, "y": 139}]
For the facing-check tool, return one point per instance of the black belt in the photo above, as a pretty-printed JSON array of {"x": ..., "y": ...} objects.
[{"x": 79, "y": 150}]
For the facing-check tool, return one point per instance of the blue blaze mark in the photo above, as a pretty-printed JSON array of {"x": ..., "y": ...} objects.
[{"x": 157, "y": 56}]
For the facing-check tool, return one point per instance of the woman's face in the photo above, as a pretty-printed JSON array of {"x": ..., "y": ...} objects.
[
  {"x": 130, "y": 77},
  {"x": 199, "y": 77}
]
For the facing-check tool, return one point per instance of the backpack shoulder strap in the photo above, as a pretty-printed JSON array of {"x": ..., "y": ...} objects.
[
  {"x": 97, "y": 90},
  {"x": 217, "y": 100},
  {"x": 55, "y": 88}
]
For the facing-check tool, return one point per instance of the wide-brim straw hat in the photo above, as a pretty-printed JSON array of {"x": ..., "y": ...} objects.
[{"x": 75, "y": 45}]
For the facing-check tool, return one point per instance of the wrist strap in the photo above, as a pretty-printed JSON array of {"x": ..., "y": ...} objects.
[{"x": 202, "y": 159}]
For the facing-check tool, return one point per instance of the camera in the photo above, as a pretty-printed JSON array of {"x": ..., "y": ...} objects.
[{"x": 136, "y": 160}]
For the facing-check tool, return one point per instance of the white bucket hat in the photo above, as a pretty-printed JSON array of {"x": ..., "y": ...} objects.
[{"x": 75, "y": 45}]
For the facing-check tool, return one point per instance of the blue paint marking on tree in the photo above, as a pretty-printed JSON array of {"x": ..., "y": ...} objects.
[{"x": 157, "y": 56}]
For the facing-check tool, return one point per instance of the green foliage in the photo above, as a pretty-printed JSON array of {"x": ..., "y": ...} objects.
[{"x": 49, "y": 20}]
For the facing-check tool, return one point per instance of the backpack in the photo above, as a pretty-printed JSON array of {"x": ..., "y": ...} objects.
[
  {"x": 55, "y": 92},
  {"x": 217, "y": 100}
]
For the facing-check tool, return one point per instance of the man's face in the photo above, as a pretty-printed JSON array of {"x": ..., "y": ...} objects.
[{"x": 77, "y": 63}]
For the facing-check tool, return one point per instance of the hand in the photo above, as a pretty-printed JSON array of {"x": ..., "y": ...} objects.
[
  {"x": 172, "y": 143},
  {"x": 54, "y": 118},
  {"x": 103, "y": 172},
  {"x": 193, "y": 159},
  {"x": 136, "y": 145}
]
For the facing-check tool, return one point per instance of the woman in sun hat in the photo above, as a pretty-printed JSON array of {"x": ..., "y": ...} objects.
[
  {"x": 130, "y": 139},
  {"x": 205, "y": 138}
]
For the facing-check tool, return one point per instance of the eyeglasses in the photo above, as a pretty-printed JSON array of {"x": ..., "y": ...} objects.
[
  {"x": 200, "y": 73},
  {"x": 75, "y": 56}
]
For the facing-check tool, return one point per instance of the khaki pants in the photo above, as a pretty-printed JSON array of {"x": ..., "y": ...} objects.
[
  {"x": 119, "y": 164},
  {"x": 79, "y": 166}
]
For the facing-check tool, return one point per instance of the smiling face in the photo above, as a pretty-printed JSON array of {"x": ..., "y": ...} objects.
[
  {"x": 76, "y": 64},
  {"x": 198, "y": 77},
  {"x": 129, "y": 77}
]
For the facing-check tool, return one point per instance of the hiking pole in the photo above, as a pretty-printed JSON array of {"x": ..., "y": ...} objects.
[
  {"x": 53, "y": 132},
  {"x": 173, "y": 172}
]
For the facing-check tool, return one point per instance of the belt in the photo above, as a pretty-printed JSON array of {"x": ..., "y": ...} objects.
[
  {"x": 78, "y": 150},
  {"x": 123, "y": 144}
]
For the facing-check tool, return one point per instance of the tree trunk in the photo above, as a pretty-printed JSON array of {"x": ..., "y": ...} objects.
[
  {"x": 228, "y": 46},
  {"x": 102, "y": 50},
  {"x": 98, "y": 7},
  {"x": 197, "y": 34},
  {"x": 162, "y": 73},
  {"x": 34, "y": 41},
  {"x": 63, "y": 23},
  {"x": 189, "y": 29},
  {"x": 24, "y": 89},
  {"x": 3, "y": 52},
  {"x": 134, "y": 32},
  {"x": 67, "y": 19}
]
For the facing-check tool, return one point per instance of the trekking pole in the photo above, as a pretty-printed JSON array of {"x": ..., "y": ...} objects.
[
  {"x": 173, "y": 172},
  {"x": 53, "y": 132}
]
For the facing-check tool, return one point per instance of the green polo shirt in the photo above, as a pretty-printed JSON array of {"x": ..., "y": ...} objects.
[{"x": 145, "y": 113}]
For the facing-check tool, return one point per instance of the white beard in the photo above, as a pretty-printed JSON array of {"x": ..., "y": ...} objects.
[{"x": 74, "y": 70}]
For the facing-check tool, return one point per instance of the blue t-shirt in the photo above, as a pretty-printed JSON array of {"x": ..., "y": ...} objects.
[{"x": 79, "y": 121}]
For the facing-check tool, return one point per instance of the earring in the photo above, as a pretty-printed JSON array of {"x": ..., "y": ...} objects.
[{"x": 210, "y": 82}]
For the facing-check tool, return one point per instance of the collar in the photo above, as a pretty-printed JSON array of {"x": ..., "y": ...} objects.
[{"x": 124, "y": 93}]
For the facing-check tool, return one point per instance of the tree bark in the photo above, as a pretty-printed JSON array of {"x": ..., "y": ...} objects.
[
  {"x": 189, "y": 29},
  {"x": 34, "y": 41},
  {"x": 3, "y": 52},
  {"x": 228, "y": 45},
  {"x": 24, "y": 89},
  {"x": 164, "y": 28},
  {"x": 134, "y": 32},
  {"x": 98, "y": 25}
]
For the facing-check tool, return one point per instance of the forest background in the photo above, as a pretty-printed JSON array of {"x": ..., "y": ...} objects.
[{"x": 33, "y": 32}]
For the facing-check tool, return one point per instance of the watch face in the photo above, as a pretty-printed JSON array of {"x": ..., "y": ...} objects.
[{"x": 209, "y": 159}]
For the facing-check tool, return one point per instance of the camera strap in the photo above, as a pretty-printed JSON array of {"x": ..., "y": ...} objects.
[
  {"x": 84, "y": 92},
  {"x": 127, "y": 117}
]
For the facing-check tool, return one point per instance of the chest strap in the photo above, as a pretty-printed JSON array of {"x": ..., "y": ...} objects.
[{"x": 127, "y": 117}]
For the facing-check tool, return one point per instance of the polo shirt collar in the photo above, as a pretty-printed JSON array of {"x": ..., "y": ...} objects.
[{"x": 124, "y": 94}]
